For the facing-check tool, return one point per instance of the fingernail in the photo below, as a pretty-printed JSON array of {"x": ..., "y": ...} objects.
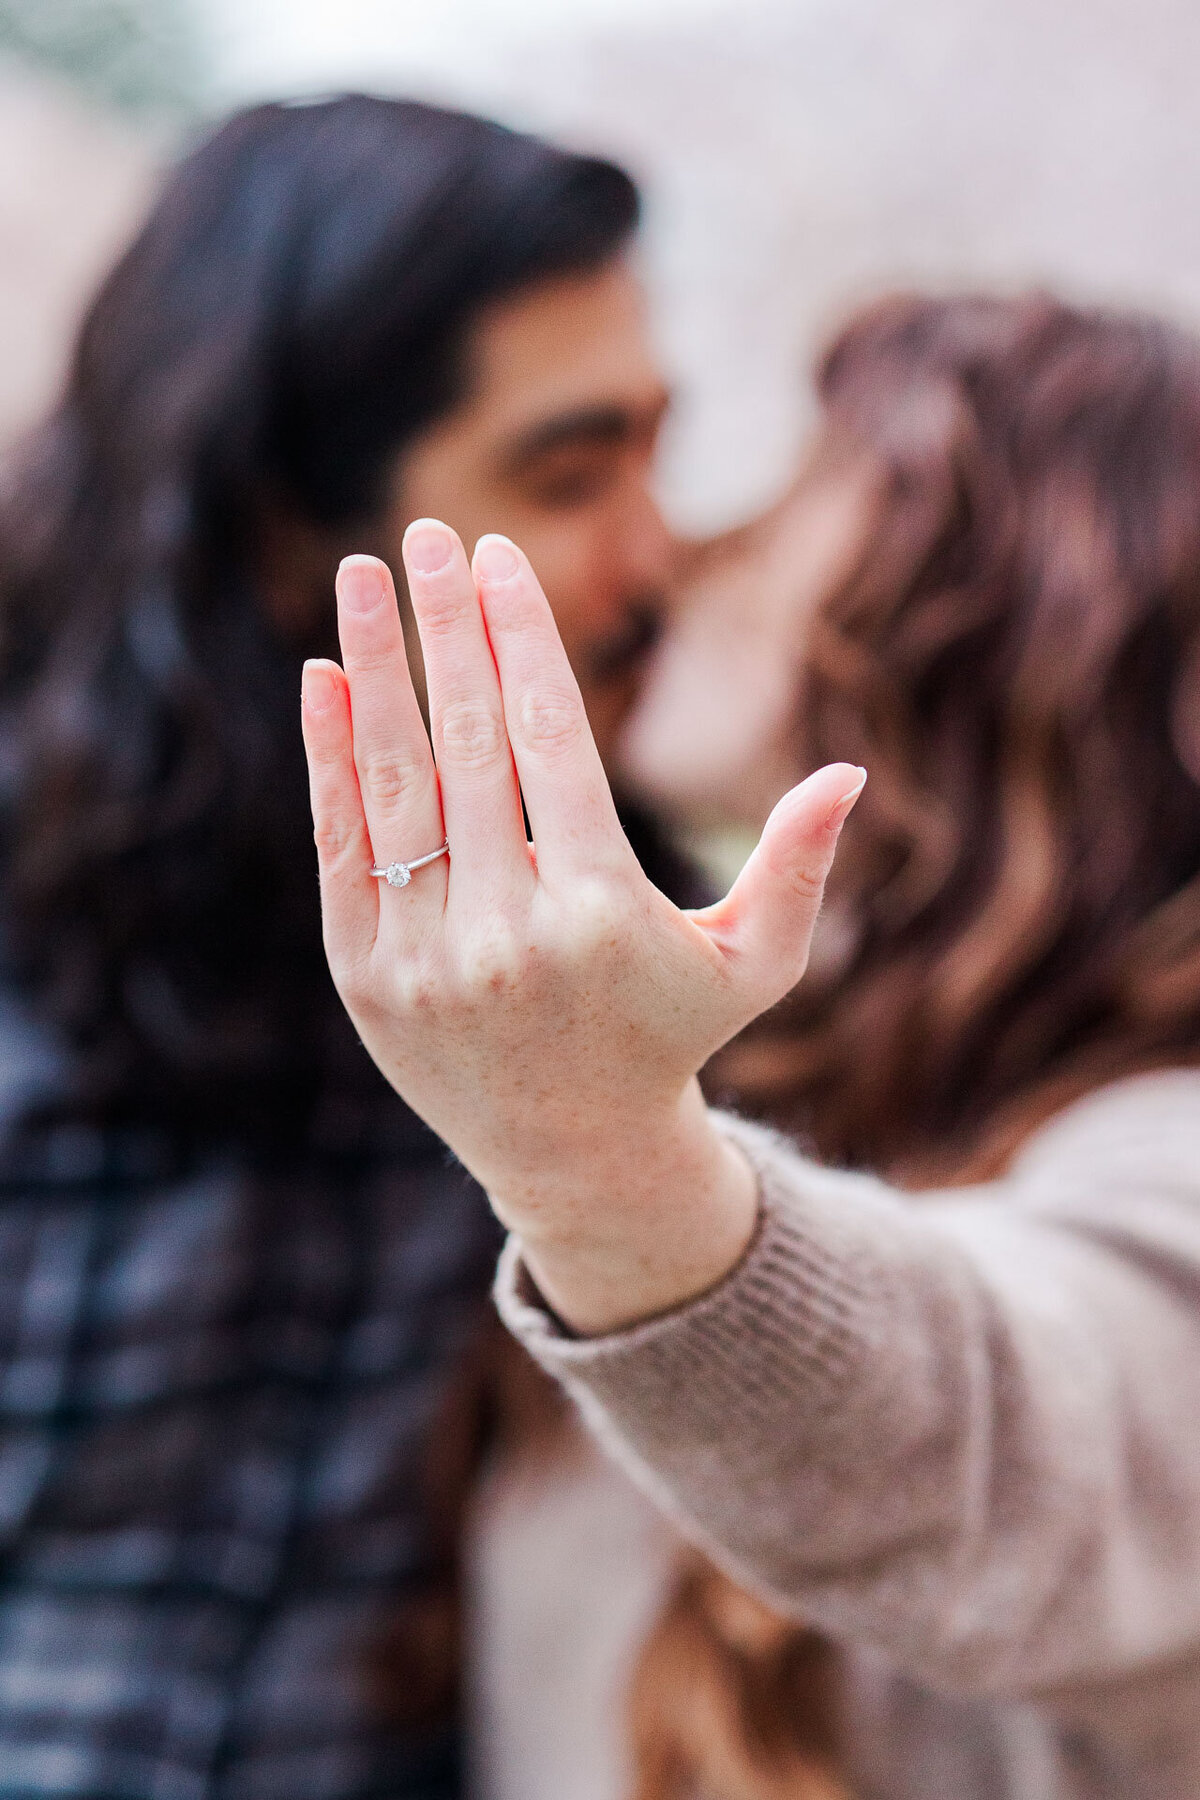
[
  {"x": 318, "y": 688},
  {"x": 495, "y": 559},
  {"x": 842, "y": 810},
  {"x": 360, "y": 583},
  {"x": 427, "y": 546}
]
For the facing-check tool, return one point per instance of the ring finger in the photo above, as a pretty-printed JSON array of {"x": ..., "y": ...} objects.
[{"x": 391, "y": 747}]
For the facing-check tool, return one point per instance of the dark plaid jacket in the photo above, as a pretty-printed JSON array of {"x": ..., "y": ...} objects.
[
  {"x": 227, "y": 1539},
  {"x": 224, "y": 1572}
]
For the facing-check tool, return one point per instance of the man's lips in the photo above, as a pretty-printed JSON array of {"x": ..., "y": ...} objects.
[{"x": 627, "y": 649}]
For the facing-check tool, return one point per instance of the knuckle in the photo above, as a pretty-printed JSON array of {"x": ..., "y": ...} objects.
[
  {"x": 494, "y": 960},
  {"x": 418, "y": 991},
  {"x": 374, "y": 660},
  {"x": 805, "y": 882},
  {"x": 389, "y": 780},
  {"x": 472, "y": 735},
  {"x": 333, "y": 840},
  {"x": 550, "y": 722},
  {"x": 440, "y": 602},
  {"x": 409, "y": 987},
  {"x": 324, "y": 750},
  {"x": 598, "y": 915}
]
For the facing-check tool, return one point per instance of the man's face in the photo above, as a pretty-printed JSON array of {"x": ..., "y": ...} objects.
[{"x": 553, "y": 445}]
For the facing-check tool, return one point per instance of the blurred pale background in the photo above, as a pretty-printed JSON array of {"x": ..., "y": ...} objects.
[{"x": 797, "y": 154}]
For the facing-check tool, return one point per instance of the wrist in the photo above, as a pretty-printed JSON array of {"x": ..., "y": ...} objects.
[{"x": 658, "y": 1218}]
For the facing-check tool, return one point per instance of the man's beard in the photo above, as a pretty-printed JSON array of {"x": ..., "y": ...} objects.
[{"x": 624, "y": 652}]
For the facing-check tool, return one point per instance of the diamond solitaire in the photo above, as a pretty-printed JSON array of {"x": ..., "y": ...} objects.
[{"x": 399, "y": 874}]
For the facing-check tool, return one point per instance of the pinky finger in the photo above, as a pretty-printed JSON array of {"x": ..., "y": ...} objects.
[{"x": 349, "y": 895}]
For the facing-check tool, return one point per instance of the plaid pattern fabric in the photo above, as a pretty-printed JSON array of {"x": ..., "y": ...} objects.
[{"x": 217, "y": 1394}]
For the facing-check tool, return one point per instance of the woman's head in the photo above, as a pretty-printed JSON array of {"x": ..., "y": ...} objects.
[
  {"x": 1009, "y": 639},
  {"x": 296, "y": 315},
  {"x": 987, "y": 589}
]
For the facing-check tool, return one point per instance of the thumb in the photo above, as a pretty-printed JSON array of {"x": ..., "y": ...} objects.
[{"x": 764, "y": 925}]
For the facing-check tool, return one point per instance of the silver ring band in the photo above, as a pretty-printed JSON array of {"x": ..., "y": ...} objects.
[{"x": 399, "y": 874}]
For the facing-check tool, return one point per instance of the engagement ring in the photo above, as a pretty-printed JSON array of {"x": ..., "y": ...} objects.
[{"x": 399, "y": 874}]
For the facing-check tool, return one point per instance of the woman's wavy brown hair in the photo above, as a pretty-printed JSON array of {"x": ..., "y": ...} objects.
[{"x": 1016, "y": 659}]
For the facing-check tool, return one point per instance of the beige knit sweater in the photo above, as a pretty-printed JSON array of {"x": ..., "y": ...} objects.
[{"x": 961, "y": 1434}]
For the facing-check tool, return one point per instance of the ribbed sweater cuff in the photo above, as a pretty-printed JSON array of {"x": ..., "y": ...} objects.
[{"x": 789, "y": 1323}]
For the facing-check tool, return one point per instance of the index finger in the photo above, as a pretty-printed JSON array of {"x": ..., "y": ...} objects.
[{"x": 566, "y": 792}]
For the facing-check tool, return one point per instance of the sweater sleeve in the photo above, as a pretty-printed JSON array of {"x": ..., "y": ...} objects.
[{"x": 962, "y": 1429}]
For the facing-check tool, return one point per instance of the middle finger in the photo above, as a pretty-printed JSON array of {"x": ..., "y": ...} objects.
[{"x": 489, "y": 849}]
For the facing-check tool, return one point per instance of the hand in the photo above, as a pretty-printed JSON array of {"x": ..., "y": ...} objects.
[{"x": 541, "y": 1005}]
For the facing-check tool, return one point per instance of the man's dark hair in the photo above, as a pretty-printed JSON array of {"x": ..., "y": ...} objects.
[{"x": 294, "y": 310}]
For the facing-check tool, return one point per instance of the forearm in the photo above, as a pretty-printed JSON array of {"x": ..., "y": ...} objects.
[{"x": 911, "y": 1423}]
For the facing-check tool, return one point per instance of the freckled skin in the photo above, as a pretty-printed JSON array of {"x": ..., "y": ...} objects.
[{"x": 547, "y": 1018}]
